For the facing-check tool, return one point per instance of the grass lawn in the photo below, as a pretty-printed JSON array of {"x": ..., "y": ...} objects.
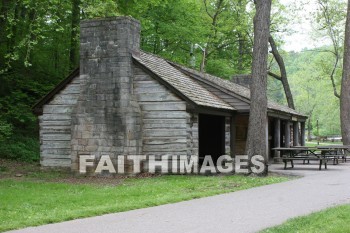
[
  {"x": 332, "y": 220},
  {"x": 35, "y": 197},
  {"x": 314, "y": 143}
]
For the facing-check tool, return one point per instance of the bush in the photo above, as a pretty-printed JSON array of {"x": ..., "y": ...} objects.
[
  {"x": 20, "y": 147},
  {"x": 5, "y": 130}
]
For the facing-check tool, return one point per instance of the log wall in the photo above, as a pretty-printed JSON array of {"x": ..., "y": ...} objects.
[
  {"x": 164, "y": 117},
  {"x": 55, "y": 127}
]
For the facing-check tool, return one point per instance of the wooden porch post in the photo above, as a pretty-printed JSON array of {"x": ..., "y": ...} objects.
[
  {"x": 295, "y": 133},
  {"x": 302, "y": 129},
  {"x": 233, "y": 135},
  {"x": 287, "y": 134},
  {"x": 277, "y": 139}
]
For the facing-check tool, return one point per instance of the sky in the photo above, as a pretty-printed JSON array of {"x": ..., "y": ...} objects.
[{"x": 303, "y": 27}]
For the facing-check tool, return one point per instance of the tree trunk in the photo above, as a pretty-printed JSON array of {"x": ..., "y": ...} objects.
[
  {"x": 309, "y": 127},
  {"x": 204, "y": 60},
  {"x": 3, "y": 35},
  {"x": 257, "y": 137},
  {"x": 345, "y": 84},
  {"x": 3, "y": 15},
  {"x": 240, "y": 52},
  {"x": 74, "y": 32},
  {"x": 283, "y": 71}
]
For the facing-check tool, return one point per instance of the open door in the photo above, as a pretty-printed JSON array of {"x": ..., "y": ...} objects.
[{"x": 211, "y": 136}]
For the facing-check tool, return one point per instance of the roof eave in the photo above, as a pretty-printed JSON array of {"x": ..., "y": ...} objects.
[
  {"x": 37, "y": 109},
  {"x": 285, "y": 115}
]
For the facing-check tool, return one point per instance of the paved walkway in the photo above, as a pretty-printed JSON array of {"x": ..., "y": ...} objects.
[{"x": 244, "y": 211}]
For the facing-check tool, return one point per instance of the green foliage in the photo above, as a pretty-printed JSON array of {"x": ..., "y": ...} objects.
[
  {"x": 20, "y": 147},
  {"x": 330, "y": 19},
  {"x": 18, "y": 94},
  {"x": 38, "y": 40},
  {"x": 5, "y": 130},
  {"x": 312, "y": 89},
  {"x": 221, "y": 68},
  {"x": 97, "y": 9}
]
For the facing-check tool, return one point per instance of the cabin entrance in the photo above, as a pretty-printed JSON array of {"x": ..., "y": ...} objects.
[{"x": 211, "y": 136}]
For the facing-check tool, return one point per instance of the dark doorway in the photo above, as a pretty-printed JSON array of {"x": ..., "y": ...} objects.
[{"x": 211, "y": 136}]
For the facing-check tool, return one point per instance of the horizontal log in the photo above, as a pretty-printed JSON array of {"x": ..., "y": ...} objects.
[
  {"x": 55, "y": 127},
  {"x": 76, "y": 80},
  {"x": 66, "y": 151},
  {"x": 139, "y": 90},
  {"x": 169, "y": 151},
  {"x": 165, "y": 126},
  {"x": 163, "y": 106},
  {"x": 55, "y": 145},
  {"x": 164, "y": 133},
  {"x": 163, "y": 141},
  {"x": 71, "y": 89},
  {"x": 56, "y": 137},
  {"x": 55, "y": 117},
  {"x": 51, "y": 108},
  {"x": 55, "y": 123},
  {"x": 146, "y": 83},
  {"x": 142, "y": 77},
  {"x": 55, "y": 162},
  {"x": 192, "y": 131},
  {"x": 55, "y": 156},
  {"x": 164, "y": 115},
  {"x": 54, "y": 131},
  {"x": 164, "y": 121},
  {"x": 169, "y": 147},
  {"x": 154, "y": 97},
  {"x": 69, "y": 99}
]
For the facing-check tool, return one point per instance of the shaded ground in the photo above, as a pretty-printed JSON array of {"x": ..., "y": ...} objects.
[{"x": 33, "y": 172}]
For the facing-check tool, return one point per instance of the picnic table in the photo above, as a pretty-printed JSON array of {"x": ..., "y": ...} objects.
[
  {"x": 303, "y": 153},
  {"x": 336, "y": 150}
]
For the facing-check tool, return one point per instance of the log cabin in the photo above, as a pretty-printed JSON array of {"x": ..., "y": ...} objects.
[{"x": 124, "y": 101}]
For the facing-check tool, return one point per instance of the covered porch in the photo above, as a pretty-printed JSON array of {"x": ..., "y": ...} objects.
[
  {"x": 280, "y": 130},
  {"x": 284, "y": 131}
]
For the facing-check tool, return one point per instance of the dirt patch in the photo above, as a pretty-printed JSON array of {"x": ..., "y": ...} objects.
[{"x": 11, "y": 169}]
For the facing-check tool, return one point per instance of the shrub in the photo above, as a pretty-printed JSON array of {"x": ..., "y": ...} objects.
[
  {"x": 5, "y": 130},
  {"x": 20, "y": 147}
]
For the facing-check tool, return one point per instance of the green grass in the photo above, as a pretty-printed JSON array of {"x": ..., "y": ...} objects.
[
  {"x": 314, "y": 143},
  {"x": 30, "y": 203},
  {"x": 332, "y": 220}
]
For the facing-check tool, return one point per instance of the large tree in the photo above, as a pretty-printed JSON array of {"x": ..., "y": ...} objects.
[
  {"x": 345, "y": 85},
  {"x": 257, "y": 138}
]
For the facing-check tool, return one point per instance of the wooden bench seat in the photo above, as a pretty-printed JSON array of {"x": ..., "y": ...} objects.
[{"x": 305, "y": 158}]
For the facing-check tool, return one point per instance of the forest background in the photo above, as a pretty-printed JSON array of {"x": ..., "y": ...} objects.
[{"x": 39, "y": 46}]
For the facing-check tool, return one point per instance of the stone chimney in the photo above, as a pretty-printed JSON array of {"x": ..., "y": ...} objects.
[
  {"x": 242, "y": 79},
  {"x": 107, "y": 117}
]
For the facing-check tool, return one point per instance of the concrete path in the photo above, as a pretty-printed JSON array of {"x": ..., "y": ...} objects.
[{"x": 244, "y": 211}]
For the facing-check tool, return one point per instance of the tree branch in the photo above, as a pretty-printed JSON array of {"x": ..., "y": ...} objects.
[
  {"x": 283, "y": 71},
  {"x": 332, "y": 77},
  {"x": 274, "y": 75}
]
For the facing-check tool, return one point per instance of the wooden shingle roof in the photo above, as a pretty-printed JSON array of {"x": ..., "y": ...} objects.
[
  {"x": 181, "y": 82},
  {"x": 234, "y": 88}
]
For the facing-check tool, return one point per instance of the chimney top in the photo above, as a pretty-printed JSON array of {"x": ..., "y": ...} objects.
[
  {"x": 242, "y": 79},
  {"x": 98, "y": 21}
]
